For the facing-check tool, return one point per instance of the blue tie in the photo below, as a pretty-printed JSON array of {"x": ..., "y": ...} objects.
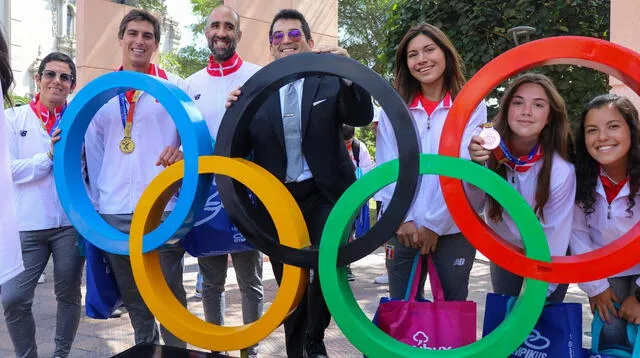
[{"x": 292, "y": 133}]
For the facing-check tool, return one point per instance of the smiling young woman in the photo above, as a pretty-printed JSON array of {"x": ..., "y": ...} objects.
[
  {"x": 429, "y": 74},
  {"x": 534, "y": 156},
  {"x": 608, "y": 176}
]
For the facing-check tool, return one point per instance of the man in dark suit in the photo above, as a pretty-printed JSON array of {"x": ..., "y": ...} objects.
[{"x": 297, "y": 136}]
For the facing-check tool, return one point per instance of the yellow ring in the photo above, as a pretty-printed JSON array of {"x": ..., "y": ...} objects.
[{"x": 292, "y": 232}]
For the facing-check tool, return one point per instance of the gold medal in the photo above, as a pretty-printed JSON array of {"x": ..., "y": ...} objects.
[{"x": 127, "y": 145}]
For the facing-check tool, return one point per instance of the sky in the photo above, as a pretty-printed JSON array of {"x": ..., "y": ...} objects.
[{"x": 180, "y": 10}]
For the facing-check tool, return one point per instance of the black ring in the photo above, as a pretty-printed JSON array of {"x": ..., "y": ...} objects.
[{"x": 234, "y": 128}]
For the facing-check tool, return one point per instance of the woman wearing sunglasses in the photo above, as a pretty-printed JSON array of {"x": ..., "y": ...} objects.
[{"x": 44, "y": 228}]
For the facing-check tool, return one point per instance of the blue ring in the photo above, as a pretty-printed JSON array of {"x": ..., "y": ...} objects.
[{"x": 196, "y": 142}]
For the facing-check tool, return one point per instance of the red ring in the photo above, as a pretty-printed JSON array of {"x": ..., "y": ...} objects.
[{"x": 597, "y": 54}]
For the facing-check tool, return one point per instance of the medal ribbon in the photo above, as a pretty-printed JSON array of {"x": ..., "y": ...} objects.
[
  {"x": 132, "y": 98},
  {"x": 42, "y": 112},
  {"x": 127, "y": 115},
  {"x": 521, "y": 164}
]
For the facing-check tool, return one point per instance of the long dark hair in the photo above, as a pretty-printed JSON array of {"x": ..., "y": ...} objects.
[
  {"x": 406, "y": 84},
  {"x": 587, "y": 169},
  {"x": 6, "y": 75},
  {"x": 554, "y": 138}
]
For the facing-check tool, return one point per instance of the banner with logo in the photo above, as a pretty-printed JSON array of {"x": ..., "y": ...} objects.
[
  {"x": 558, "y": 332},
  {"x": 213, "y": 232},
  {"x": 438, "y": 325}
]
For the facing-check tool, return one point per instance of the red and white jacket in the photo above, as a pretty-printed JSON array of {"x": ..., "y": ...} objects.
[
  {"x": 211, "y": 86},
  {"x": 429, "y": 209},
  {"x": 606, "y": 224},
  {"x": 36, "y": 198}
]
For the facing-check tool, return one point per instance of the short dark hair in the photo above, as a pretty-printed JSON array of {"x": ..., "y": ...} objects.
[
  {"x": 140, "y": 15},
  {"x": 60, "y": 57},
  {"x": 291, "y": 14},
  {"x": 348, "y": 132},
  {"x": 6, "y": 74}
]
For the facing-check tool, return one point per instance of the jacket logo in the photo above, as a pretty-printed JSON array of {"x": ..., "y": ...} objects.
[
  {"x": 23, "y": 133},
  {"x": 197, "y": 97}
]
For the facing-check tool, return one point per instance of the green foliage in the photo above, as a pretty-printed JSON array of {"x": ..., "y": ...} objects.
[
  {"x": 361, "y": 24},
  {"x": 478, "y": 29},
  {"x": 17, "y": 101},
  {"x": 368, "y": 136},
  {"x": 202, "y": 8},
  {"x": 186, "y": 61},
  {"x": 156, "y": 6}
]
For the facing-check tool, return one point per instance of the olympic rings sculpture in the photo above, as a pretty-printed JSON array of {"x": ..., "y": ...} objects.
[
  {"x": 68, "y": 174},
  {"x": 536, "y": 265},
  {"x": 598, "y": 54}
]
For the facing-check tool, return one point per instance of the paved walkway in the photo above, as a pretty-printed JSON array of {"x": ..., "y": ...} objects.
[{"x": 104, "y": 338}]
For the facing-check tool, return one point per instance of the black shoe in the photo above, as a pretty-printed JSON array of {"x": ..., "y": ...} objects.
[
  {"x": 314, "y": 349},
  {"x": 350, "y": 275}
]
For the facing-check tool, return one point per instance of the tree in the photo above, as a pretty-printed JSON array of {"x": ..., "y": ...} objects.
[
  {"x": 157, "y": 6},
  {"x": 479, "y": 32},
  {"x": 202, "y": 8},
  {"x": 361, "y": 26},
  {"x": 186, "y": 61}
]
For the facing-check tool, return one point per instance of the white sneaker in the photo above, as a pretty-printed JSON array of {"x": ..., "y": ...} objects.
[
  {"x": 42, "y": 279},
  {"x": 384, "y": 279}
]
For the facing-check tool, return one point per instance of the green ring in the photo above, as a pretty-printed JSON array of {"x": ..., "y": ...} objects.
[{"x": 357, "y": 327}]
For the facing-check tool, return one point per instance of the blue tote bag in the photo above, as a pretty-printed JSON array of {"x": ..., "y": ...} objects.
[
  {"x": 213, "y": 232},
  {"x": 103, "y": 295},
  {"x": 558, "y": 332},
  {"x": 362, "y": 223},
  {"x": 613, "y": 351}
]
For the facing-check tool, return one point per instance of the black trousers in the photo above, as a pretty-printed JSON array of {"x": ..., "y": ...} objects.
[{"x": 311, "y": 318}]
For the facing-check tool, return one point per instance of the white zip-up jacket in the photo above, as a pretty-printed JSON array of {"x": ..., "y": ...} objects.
[
  {"x": 606, "y": 224},
  {"x": 558, "y": 211},
  {"x": 36, "y": 198},
  {"x": 116, "y": 179},
  {"x": 210, "y": 92},
  {"x": 10, "y": 250},
  {"x": 428, "y": 209}
]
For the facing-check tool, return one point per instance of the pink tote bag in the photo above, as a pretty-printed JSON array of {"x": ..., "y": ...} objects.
[{"x": 437, "y": 325}]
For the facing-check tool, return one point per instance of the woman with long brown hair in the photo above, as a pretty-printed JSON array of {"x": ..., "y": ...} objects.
[
  {"x": 534, "y": 157},
  {"x": 429, "y": 74},
  {"x": 607, "y": 204}
]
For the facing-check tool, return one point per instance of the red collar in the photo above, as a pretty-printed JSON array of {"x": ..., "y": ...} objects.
[
  {"x": 226, "y": 68},
  {"x": 48, "y": 119},
  {"x": 611, "y": 189},
  {"x": 419, "y": 98}
]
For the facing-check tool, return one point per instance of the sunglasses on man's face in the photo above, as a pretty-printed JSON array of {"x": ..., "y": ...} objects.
[
  {"x": 51, "y": 74},
  {"x": 294, "y": 35}
]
